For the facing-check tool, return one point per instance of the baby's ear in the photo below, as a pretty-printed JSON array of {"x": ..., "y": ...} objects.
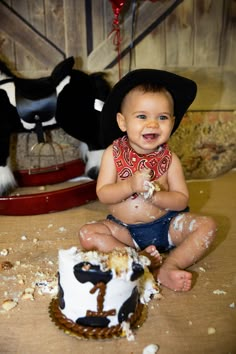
[{"x": 121, "y": 121}]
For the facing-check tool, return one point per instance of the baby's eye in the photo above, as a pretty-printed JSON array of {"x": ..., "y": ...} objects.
[
  {"x": 141, "y": 116},
  {"x": 163, "y": 117}
]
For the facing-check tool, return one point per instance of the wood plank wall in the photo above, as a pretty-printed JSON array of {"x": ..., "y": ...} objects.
[{"x": 197, "y": 38}]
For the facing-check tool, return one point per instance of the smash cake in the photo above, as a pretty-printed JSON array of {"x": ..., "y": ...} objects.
[{"x": 102, "y": 295}]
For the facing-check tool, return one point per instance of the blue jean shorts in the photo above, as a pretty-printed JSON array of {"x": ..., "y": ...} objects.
[{"x": 151, "y": 233}]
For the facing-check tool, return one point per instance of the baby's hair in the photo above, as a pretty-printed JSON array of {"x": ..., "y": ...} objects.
[{"x": 152, "y": 87}]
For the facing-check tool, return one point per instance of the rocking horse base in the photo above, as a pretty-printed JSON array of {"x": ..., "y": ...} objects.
[
  {"x": 42, "y": 193},
  {"x": 48, "y": 202},
  {"x": 50, "y": 175}
]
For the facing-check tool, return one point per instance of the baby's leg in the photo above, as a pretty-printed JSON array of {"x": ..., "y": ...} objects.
[
  {"x": 192, "y": 236},
  {"x": 104, "y": 236}
]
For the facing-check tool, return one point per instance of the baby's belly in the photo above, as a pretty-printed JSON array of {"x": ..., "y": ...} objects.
[{"x": 137, "y": 210}]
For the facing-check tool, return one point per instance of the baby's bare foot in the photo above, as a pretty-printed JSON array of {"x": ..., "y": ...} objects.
[
  {"x": 175, "y": 279},
  {"x": 153, "y": 255}
]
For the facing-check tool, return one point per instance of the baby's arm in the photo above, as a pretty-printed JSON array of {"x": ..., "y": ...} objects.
[
  {"x": 177, "y": 197},
  {"x": 109, "y": 189}
]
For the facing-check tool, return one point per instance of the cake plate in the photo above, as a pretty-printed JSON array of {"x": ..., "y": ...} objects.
[{"x": 81, "y": 332}]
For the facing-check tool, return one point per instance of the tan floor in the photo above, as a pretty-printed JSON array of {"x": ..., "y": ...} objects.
[{"x": 179, "y": 322}]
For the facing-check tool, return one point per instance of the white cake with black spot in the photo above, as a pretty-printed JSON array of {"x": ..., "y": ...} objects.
[{"x": 100, "y": 293}]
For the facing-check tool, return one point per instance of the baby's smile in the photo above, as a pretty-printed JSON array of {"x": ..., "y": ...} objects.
[{"x": 150, "y": 136}]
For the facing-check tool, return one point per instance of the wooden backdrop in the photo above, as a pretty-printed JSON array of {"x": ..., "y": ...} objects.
[{"x": 193, "y": 37}]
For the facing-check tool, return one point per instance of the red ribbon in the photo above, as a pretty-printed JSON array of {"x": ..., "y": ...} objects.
[{"x": 117, "y": 6}]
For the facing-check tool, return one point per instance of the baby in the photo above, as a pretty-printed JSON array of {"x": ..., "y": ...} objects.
[{"x": 142, "y": 182}]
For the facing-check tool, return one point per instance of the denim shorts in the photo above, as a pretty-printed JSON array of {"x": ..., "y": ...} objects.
[{"x": 151, "y": 233}]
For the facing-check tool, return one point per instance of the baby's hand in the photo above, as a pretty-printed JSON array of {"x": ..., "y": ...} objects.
[
  {"x": 139, "y": 180},
  {"x": 151, "y": 188}
]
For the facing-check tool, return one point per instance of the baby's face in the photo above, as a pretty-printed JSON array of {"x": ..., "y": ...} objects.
[{"x": 148, "y": 119}]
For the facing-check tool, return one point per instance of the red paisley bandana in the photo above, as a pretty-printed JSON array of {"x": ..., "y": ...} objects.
[{"x": 127, "y": 161}]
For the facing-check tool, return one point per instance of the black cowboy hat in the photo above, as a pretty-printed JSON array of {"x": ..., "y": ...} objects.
[{"x": 183, "y": 91}]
